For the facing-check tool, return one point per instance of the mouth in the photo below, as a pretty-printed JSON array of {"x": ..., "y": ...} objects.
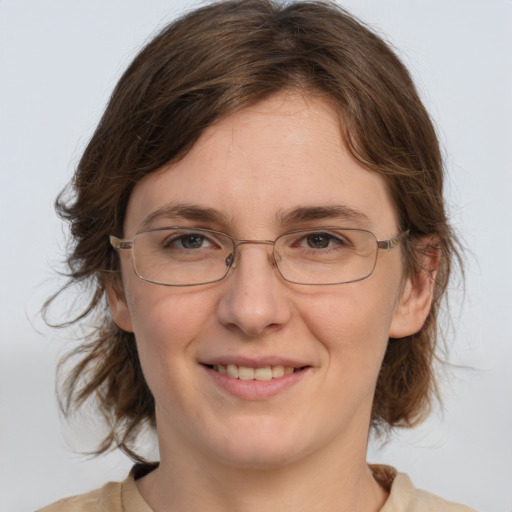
[{"x": 263, "y": 373}]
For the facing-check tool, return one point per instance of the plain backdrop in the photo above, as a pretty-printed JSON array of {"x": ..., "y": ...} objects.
[{"x": 59, "y": 61}]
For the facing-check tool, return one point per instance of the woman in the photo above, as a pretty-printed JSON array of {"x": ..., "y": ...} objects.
[{"x": 261, "y": 207}]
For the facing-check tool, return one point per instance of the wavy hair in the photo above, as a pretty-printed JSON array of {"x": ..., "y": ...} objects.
[{"x": 211, "y": 62}]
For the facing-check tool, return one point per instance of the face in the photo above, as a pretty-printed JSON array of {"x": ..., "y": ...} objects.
[{"x": 255, "y": 175}]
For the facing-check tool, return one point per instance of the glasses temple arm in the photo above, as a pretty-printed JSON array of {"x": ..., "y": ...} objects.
[
  {"x": 117, "y": 243},
  {"x": 389, "y": 244}
]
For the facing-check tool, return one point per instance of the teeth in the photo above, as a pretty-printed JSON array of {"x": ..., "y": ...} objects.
[
  {"x": 277, "y": 371},
  {"x": 232, "y": 371},
  {"x": 264, "y": 373},
  {"x": 247, "y": 373}
]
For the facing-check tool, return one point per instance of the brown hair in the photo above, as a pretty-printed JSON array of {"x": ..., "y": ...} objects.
[{"x": 214, "y": 61}]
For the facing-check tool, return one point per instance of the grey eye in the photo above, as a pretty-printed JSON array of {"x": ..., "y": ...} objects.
[
  {"x": 192, "y": 241},
  {"x": 187, "y": 241},
  {"x": 318, "y": 240}
]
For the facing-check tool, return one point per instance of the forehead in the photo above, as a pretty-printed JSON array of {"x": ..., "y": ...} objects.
[{"x": 258, "y": 165}]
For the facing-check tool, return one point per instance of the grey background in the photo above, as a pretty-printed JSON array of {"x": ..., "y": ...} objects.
[{"x": 59, "y": 61}]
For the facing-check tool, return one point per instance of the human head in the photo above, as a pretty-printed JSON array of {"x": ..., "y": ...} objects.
[{"x": 211, "y": 63}]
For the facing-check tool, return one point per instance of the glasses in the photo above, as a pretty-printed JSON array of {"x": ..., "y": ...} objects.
[{"x": 184, "y": 256}]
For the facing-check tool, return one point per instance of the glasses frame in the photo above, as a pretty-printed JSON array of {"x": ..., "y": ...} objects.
[{"x": 123, "y": 244}]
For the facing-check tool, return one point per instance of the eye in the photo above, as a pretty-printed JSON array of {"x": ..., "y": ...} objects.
[
  {"x": 192, "y": 241},
  {"x": 322, "y": 240},
  {"x": 318, "y": 240},
  {"x": 189, "y": 241}
]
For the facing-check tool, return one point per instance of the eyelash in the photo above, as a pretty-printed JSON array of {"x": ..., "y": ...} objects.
[
  {"x": 331, "y": 238},
  {"x": 333, "y": 241}
]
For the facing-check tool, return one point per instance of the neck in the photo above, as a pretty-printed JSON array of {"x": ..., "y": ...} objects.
[{"x": 337, "y": 481}]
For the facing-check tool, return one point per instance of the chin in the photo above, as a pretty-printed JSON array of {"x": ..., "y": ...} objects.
[
  {"x": 256, "y": 457},
  {"x": 263, "y": 447}
]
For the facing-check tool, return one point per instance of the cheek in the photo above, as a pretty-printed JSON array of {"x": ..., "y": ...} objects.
[
  {"x": 166, "y": 323},
  {"x": 353, "y": 322},
  {"x": 165, "y": 312},
  {"x": 351, "y": 329}
]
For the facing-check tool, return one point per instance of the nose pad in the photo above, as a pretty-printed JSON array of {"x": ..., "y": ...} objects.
[{"x": 229, "y": 260}]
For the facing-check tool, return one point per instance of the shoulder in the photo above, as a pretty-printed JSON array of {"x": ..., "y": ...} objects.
[
  {"x": 404, "y": 497},
  {"x": 112, "y": 497},
  {"x": 107, "y": 498}
]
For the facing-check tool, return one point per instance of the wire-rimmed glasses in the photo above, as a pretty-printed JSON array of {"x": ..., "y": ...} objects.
[{"x": 187, "y": 256}]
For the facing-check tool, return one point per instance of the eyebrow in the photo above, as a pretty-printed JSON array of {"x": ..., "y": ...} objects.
[
  {"x": 297, "y": 215},
  {"x": 328, "y": 212},
  {"x": 186, "y": 211}
]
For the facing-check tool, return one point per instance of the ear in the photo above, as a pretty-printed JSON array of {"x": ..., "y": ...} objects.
[
  {"x": 417, "y": 294},
  {"x": 118, "y": 307}
]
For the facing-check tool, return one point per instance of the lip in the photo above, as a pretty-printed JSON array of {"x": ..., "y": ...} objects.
[
  {"x": 254, "y": 362},
  {"x": 255, "y": 390}
]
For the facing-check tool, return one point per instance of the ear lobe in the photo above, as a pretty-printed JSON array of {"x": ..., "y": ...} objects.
[
  {"x": 118, "y": 307},
  {"x": 414, "y": 304}
]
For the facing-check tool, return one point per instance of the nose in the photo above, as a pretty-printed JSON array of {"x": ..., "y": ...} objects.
[{"x": 254, "y": 299}]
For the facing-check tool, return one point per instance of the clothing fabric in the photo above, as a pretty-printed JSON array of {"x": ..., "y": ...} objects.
[{"x": 124, "y": 496}]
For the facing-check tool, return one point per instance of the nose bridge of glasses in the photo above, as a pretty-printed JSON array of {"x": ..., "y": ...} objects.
[
  {"x": 261, "y": 242},
  {"x": 231, "y": 260}
]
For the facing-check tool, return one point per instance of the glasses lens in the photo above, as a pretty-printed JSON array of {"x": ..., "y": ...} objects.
[
  {"x": 181, "y": 256},
  {"x": 326, "y": 256},
  {"x": 185, "y": 257}
]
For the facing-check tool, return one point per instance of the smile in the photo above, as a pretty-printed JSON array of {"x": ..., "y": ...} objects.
[
  {"x": 256, "y": 380},
  {"x": 247, "y": 373}
]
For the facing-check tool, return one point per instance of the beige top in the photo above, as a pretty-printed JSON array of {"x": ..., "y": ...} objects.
[{"x": 124, "y": 496}]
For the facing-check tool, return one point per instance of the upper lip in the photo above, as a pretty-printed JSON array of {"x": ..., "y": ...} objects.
[{"x": 253, "y": 362}]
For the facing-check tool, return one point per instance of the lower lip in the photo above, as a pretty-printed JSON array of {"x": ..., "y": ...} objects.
[{"x": 256, "y": 389}]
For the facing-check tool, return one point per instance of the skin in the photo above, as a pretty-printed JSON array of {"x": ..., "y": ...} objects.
[{"x": 303, "y": 448}]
